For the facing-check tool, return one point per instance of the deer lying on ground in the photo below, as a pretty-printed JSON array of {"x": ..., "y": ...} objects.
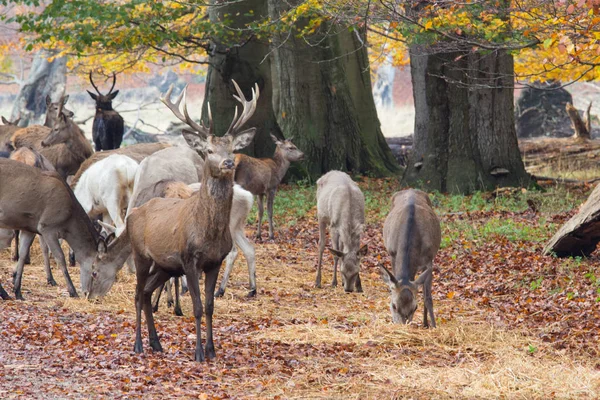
[
  {"x": 188, "y": 236},
  {"x": 105, "y": 188},
  {"x": 107, "y": 130},
  {"x": 341, "y": 206},
  {"x": 6, "y": 132},
  {"x": 37, "y": 202},
  {"x": 412, "y": 237},
  {"x": 262, "y": 176},
  {"x": 64, "y": 143}
]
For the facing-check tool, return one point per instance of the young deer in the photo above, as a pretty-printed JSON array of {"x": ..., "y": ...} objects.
[
  {"x": 107, "y": 130},
  {"x": 412, "y": 236},
  {"x": 341, "y": 206},
  {"x": 261, "y": 176},
  {"x": 190, "y": 236}
]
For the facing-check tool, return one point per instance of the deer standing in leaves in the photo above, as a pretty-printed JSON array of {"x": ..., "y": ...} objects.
[
  {"x": 174, "y": 237},
  {"x": 107, "y": 130}
]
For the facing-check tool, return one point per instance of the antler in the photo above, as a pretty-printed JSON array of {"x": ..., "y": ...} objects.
[
  {"x": 113, "y": 85},
  {"x": 185, "y": 118},
  {"x": 92, "y": 82},
  {"x": 248, "y": 108}
]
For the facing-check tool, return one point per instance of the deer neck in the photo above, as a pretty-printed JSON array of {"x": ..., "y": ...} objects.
[
  {"x": 79, "y": 232},
  {"x": 281, "y": 164},
  {"x": 76, "y": 141},
  {"x": 119, "y": 250},
  {"x": 214, "y": 203}
]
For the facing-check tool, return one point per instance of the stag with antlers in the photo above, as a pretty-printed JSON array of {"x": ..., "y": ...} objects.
[
  {"x": 173, "y": 237},
  {"x": 107, "y": 130}
]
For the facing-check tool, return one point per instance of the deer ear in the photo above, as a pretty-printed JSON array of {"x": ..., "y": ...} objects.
[
  {"x": 110, "y": 238},
  {"x": 423, "y": 277},
  {"x": 336, "y": 253},
  {"x": 68, "y": 113},
  {"x": 114, "y": 94},
  {"x": 108, "y": 227},
  {"x": 48, "y": 100},
  {"x": 101, "y": 248},
  {"x": 65, "y": 99},
  {"x": 5, "y": 121},
  {"x": 243, "y": 139},
  {"x": 388, "y": 277},
  {"x": 92, "y": 95},
  {"x": 16, "y": 122},
  {"x": 274, "y": 138},
  {"x": 195, "y": 141},
  {"x": 363, "y": 251}
]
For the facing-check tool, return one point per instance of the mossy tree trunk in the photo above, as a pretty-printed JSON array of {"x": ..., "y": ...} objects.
[
  {"x": 465, "y": 138},
  {"x": 319, "y": 94}
]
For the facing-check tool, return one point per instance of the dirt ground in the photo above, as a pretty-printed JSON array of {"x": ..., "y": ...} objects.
[{"x": 498, "y": 335}]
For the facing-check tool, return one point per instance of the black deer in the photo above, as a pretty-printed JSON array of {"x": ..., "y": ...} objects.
[{"x": 107, "y": 130}]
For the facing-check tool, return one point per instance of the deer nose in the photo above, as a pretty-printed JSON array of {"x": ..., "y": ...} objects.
[{"x": 228, "y": 164}]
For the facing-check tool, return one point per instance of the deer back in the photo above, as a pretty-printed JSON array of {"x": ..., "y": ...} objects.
[{"x": 411, "y": 233}]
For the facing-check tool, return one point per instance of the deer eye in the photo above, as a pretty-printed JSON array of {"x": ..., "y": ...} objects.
[
  {"x": 209, "y": 151},
  {"x": 94, "y": 274}
]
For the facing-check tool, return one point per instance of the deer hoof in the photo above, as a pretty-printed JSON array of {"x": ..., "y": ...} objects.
[
  {"x": 137, "y": 347},
  {"x": 252, "y": 293},
  {"x": 19, "y": 296},
  {"x": 28, "y": 260},
  {"x": 156, "y": 347},
  {"x": 155, "y": 308},
  {"x": 220, "y": 292},
  {"x": 52, "y": 282},
  {"x": 199, "y": 356},
  {"x": 73, "y": 294},
  {"x": 178, "y": 312}
]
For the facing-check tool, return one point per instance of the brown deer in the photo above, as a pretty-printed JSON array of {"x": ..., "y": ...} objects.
[
  {"x": 6, "y": 132},
  {"x": 37, "y": 202},
  {"x": 191, "y": 236},
  {"x": 262, "y": 176},
  {"x": 412, "y": 236},
  {"x": 341, "y": 206},
  {"x": 63, "y": 144},
  {"x": 107, "y": 130}
]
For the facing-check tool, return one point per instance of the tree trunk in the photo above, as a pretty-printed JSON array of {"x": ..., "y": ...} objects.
[
  {"x": 45, "y": 78},
  {"x": 465, "y": 138},
  {"x": 318, "y": 94}
]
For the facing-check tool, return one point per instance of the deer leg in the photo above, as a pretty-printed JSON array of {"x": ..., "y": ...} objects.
[
  {"x": 46, "y": 254},
  {"x": 259, "y": 205},
  {"x": 3, "y": 294},
  {"x": 184, "y": 286},
  {"x": 53, "y": 243},
  {"x": 193, "y": 285},
  {"x": 210, "y": 283},
  {"x": 142, "y": 273},
  {"x": 130, "y": 265},
  {"x": 158, "y": 278},
  {"x": 322, "y": 238},
  {"x": 177, "y": 309},
  {"x": 72, "y": 261},
  {"x": 157, "y": 294},
  {"x": 270, "y": 201},
  {"x": 26, "y": 240},
  {"x": 229, "y": 261},
  {"x": 16, "y": 250},
  {"x": 336, "y": 246},
  {"x": 169, "y": 290},
  {"x": 247, "y": 248},
  {"x": 427, "y": 299}
]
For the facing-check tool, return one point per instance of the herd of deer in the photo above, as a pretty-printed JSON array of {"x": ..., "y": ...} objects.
[{"x": 180, "y": 211}]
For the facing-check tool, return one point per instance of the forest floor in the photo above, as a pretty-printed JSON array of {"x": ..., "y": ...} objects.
[{"x": 512, "y": 323}]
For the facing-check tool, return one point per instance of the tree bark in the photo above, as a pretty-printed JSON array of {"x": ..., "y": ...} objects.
[
  {"x": 318, "y": 94},
  {"x": 45, "y": 78},
  {"x": 465, "y": 138}
]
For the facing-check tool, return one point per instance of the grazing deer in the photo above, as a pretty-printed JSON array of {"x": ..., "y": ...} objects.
[
  {"x": 63, "y": 144},
  {"x": 412, "y": 237},
  {"x": 190, "y": 236},
  {"x": 262, "y": 176},
  {"x": 38, "y": 202},
  {"x": 107, "y": 130},
  {"x": 341, "y": 206}
]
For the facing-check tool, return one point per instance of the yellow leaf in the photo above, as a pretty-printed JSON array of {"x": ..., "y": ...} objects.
[
  {"x": 428, "y": 25},
  {"x": 450, "y": 295}
]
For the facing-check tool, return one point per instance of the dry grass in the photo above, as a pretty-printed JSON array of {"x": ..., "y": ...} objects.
[{"x": 359, "y": 353}]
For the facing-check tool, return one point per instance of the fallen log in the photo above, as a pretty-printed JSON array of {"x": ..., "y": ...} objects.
[{"x": 579, "y": 235}]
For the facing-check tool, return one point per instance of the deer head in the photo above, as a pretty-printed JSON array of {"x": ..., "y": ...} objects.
[
  {"x": 104, "y": 101},
  {"x": 351, "y": 266},
  {"x": 287, "y": 149},
  {"x": 59, "y": 132},
  {"x": 403, "y": 301},
  {"x": 217, "y": 151},
  {"x": 52, "y": 110}
]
